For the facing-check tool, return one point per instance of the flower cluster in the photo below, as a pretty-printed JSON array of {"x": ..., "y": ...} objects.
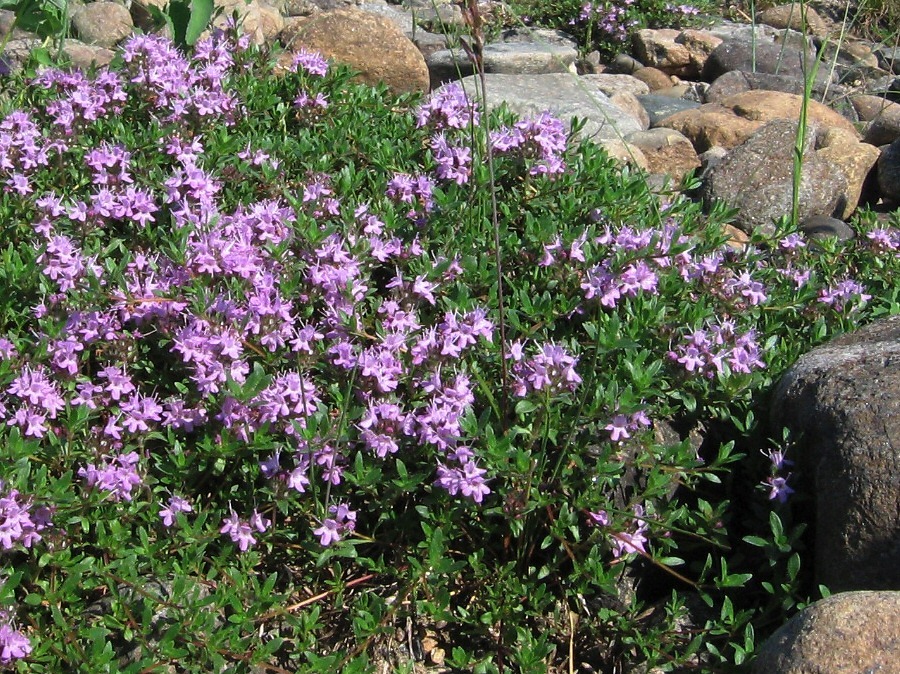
[
  {"x": 777, "y": 483},
  {"x": 718, "y": 349},
  {"x": 341, "y": 523},
  {"x": 846, "y": 295},
  {"x": 622, "y": 426},
  {"x": 13, "y": 644},
  {"x": 625, "y": 542},
  {"x": 612, "y": 20},
  {"x": 116, "y": 474},
  {"x": 541, "y": 142},
  {"x": 550, "y": 371},
  {"x": 20, "y": 522},
  {"x": 241, "y": 531},
  {"x": 448, "y": 108}
]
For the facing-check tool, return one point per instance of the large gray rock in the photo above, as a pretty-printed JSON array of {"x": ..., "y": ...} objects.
[
  {"x": 659, "y": 107},
  {"x": 763, "y": 57},
  {"x": 81, "y": 55},
  {"x": 563, "y": 95},
  {"x": 848, "y": 633},
  {"x": 889, "y": 172},
  {"x": 757, "y": 178},
  {"x": 842, "y": 403},
  {"x": 508, "y": 58}
]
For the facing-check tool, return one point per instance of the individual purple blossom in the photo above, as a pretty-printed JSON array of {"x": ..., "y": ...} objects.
[
  {"x": 622, "y": 426},
  {"x": 138, "y": 411},
  {"x": 7, "y": 349},
  {"x": 176, "y": 505},
  {"x": 753, "y": 291},
  {"x": 468, "y": 480},
  {"x": 304, "y": 100},
  {"x": 776, "y": 456},
  {"x": 118, "y": 381},
  {"x": 778, "y": 488},
  {"x": 341, "y": 522},
  {"x": 792, "y": 242},
  {"x": 413, "y": 190},
  {"x": 633, "y": 541},
  {"x": 885, "y": 239}
]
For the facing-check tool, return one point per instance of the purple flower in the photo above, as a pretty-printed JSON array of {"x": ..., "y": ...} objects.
[
  {"x": 241, "y": 531},
  {"x": 341, "y": 522},
  {"x": 468, "y": 480},
  {"x": 633, "y": 541},
  {"x": 18, "y": 523},
  {"x": 778, "y": 488},
  {"x": 13, "y": 645},
  {"x": 176, "y": 505},
  {"x": 844, "y": 294},
  {"x": 776, "y": 456},
  {"x": 116, "y": 474},
  {"x": 551, "y": 370},
  {"x": 310, "y": 61},
  {"x": 453, "y": 162},
  {"x": 448, "y": 108}
]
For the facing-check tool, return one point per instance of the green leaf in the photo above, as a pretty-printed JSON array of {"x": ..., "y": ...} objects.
[{"x": 201, "y": 13}]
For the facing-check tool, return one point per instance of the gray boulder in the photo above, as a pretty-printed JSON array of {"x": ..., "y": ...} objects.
[
  {"x": 889, "y": 172},
  {"x": 848, "y": 633},
  {"x": 842, "y": 403},
  {"x": 757, "y": 178},
  {"x": 563, "y": 95},
  {"x": 508, "y": 58},
  {"x": 772, "y": 58}
]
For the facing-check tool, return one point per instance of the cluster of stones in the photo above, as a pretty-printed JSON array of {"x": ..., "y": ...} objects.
[{"x": 725, "y": 102}]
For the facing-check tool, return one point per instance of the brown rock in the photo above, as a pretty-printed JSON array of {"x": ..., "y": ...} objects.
[
  {"x": 884, "y": 127},
  {"x": 737, "y": 239},
  {"x": 869, "y": 107},
  {"x": 667, "y": 151},
  {"x": 790, "y": 16},
  {"x": 657, "y": 48},
  {"x": 653, "y": 78},
  {"x": 372, "y": 45},
  {"x": 854, "y": 159},
  {"x": 711, "y": 125},
  {"x": 630, "y": 104},
  {"x": 103, "y": 24},
  {"x": 764, "y": 106},
  {"x": 624, "y": 154},
  {"x": 847, "y": 633},
  {"x": 700, "y": 45},
  {"x": 256, "y": 18}
]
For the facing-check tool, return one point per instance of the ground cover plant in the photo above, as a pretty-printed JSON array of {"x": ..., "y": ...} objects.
[{"x": 299, "y": 376}]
